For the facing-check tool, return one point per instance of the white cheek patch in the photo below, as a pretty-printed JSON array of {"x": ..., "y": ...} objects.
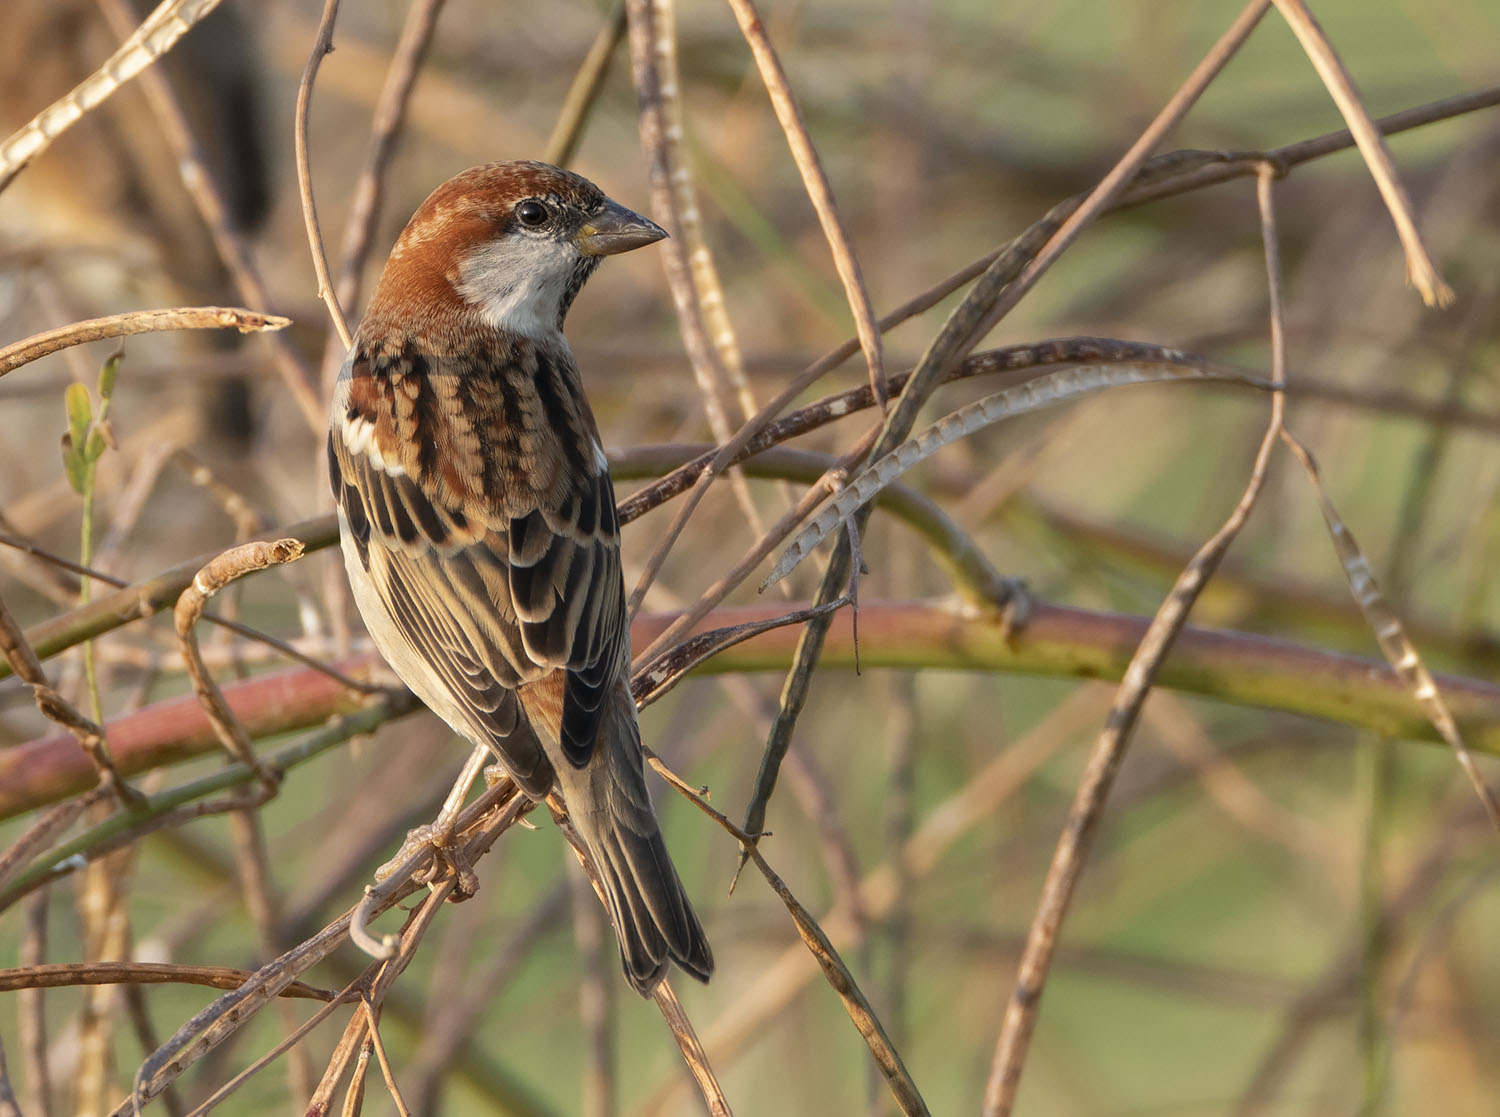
[{"x": 518, "y": 283}]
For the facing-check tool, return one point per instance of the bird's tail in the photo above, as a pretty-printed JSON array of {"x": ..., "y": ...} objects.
[{"x": 610, "y": 807}]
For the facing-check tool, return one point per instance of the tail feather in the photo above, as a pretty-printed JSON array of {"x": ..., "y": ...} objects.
[
  {"x": 653, "y": 920},
  {"x": 610, "y": 806}
]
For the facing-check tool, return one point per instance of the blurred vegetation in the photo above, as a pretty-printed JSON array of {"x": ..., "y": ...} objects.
[{"x": 1280, "y": 915}]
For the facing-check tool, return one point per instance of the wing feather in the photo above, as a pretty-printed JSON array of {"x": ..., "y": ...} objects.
[{"x": 495, "y": 586}]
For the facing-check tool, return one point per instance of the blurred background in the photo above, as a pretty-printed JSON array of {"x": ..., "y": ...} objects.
[{"x": 1281, "y": 915}]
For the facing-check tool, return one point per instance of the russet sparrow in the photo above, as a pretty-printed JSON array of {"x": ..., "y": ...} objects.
[{"x": 478, "y": 518}]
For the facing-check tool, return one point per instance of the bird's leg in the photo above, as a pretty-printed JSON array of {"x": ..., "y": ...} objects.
[{"x": 439, "y": 832}]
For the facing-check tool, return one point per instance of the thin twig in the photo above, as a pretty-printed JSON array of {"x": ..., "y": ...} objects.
[
  {"x": 819, "y": 190},
  {"x": 31, "y": 1006},
  {"x": 214, "y": 576},
  {"x": 1420, "y": 271},
  {"x": 365, "y": 200},
  {"x": 588, "y": 83},
  {"x": 60, "y": 975},
  {"x": 23, "y": 352},
  {"x": 1390, "y": 634},
  {"x": 26, "y": 666},
  {"x": 1113, "y": 185},
  {"x": 489, "y": 816},
  {"x": 192, "y": 162},
  {"x": 693, "y": 1053},
  {"x": 837, "y": 974},
  {"x": 1104, "y": 762},
  {"x": 322, "y": 45},
  {"x": 654, "y": 66},
  {"x": 156, "y": 35}
]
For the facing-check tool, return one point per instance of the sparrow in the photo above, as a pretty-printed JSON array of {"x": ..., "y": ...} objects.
[{"x": 478, "y": 521}]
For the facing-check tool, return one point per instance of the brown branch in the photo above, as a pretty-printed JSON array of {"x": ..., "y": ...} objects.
[
  {"x": 51, "y": 768},
  {"x": 64, "y": 974},
  {"x": 143, "y": 45},
  {"x": 23, "y": 352}
]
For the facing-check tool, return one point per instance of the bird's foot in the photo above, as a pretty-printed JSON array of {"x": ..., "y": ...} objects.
[{"x": 446, "y": 856}]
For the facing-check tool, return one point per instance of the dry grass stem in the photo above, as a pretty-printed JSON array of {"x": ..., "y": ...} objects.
[
  {"x": 1420, "y": 270},
  {"x": 819, "y": 190},
  {"x": 63, "y": 974},
  {"x": 653, "y": 46},
  {"x": 367, "y": 195},
  {"x": 322, "y": 45},
  {"x": 692, "y": 1050},
  {"x": 1391, "y": 635},
  {"x": 835, "y": 972},
  {"x": 156, "y": 35},
  {"x": 192, "y": 163}
]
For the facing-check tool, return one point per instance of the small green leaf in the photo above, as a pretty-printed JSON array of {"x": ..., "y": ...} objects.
[
  {"x": 73, "y": 464},
  {"x": 94, "y": 448},
  {"x": 108, "y": 373},
  {"x": 80, "y": 412}
]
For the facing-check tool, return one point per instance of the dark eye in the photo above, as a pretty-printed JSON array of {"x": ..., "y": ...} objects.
[{"x": 531, "y": 213}]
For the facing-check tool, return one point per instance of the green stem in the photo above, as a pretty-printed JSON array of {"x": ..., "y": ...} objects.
[{"x": 85, "y": 591}]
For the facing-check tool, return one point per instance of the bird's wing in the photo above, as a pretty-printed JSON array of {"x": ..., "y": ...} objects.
[{"x": 481, "y": 507}]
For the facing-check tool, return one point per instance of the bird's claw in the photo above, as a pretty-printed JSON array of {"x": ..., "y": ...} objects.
[{"x": 446, "y": 857}]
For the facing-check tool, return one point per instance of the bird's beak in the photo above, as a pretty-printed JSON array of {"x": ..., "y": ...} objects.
[{"x": 616, "y": 229}]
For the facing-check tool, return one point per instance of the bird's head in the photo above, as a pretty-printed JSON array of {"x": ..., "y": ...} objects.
[{"x": 510, "y": 244}]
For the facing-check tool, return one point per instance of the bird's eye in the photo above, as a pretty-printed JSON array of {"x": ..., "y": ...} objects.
[{"x": 531, "y": 213}]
